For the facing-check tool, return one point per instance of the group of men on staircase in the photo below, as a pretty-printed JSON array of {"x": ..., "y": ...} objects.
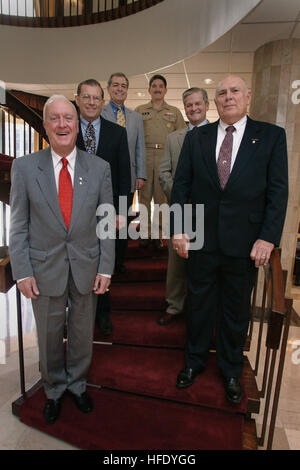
[{"x": 236, "y": 168}]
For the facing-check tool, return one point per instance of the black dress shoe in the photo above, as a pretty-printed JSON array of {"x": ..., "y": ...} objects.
[
  {"x": 233, "y": 389},
  {"x": 83, "y": 402},
  {"x": 186, "y": 377},
  {"x": 167, "y": 318},
  {"x": 52, "y": 410}
]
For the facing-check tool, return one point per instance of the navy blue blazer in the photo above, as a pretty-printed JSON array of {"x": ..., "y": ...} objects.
[
  {"x": 253, "y": 204},
  {"x": 113, "y": 147}
]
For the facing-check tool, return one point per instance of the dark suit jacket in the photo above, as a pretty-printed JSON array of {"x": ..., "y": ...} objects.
[
  {"x": 113, "y": 147},
  {"x": 253, "y": 203}
]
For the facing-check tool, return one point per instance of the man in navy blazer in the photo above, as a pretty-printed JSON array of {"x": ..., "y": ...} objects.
[
  {"x": 110, "y": 144},
  {"x": 243, "y": 222}
]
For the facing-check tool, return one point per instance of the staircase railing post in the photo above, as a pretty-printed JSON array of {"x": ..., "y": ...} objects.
[{"x": 20, "y": 341}]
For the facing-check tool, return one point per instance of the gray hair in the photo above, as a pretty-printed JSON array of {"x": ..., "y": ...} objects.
[
  {"x": 232, "y": 75},
  {"x": 193, "y": 90},
  {"x": 54, "y": 98}
]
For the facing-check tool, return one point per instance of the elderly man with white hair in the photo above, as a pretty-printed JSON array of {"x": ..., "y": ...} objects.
[{"x": 55, "y": 252}]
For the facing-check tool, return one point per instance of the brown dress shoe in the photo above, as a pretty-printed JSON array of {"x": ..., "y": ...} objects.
[{"x": 166, "y": 318}]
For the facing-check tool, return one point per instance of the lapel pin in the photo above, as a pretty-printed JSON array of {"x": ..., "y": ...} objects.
[{"x": 254, "y": 141}]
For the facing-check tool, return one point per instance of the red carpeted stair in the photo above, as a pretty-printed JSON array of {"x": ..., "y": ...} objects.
[{"x": 132, "y": 379}]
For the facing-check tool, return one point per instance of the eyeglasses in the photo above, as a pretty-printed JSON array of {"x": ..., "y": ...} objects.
[{"x": 98, "y": 99}]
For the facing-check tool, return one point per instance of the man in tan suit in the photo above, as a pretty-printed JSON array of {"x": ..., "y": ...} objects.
[
  {"x": 159, "y": 119},
  {"x": 196, "y": 104}
]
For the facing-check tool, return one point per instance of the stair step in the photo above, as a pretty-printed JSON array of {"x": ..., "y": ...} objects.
[
  {"x": 137, "y": 296},
  {"x": 134, "y": 251},
  {"x": 153, "y": 372},
  {"x": 138, "y": 270},
  {"x": 141, "y": 328},
  {"x": 122, "y": 421}
]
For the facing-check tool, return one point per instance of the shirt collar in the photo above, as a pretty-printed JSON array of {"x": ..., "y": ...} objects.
[
  {"x": 238, "y": 125},
  {"x": 86, "y": 123},
  {"x": 71, "y": 158},
  {"x": 203, "y": 123},
  {"x": 116, "y": 107}
]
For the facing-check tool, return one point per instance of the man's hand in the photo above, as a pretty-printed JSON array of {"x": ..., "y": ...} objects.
[
  {"x": 181, "y": 243},
  {"x": 261, "y": 252},
  {"x": 101, "y": 284},
  {"x": 139, "y": 183},
  {"x": 28, "y": 288}
]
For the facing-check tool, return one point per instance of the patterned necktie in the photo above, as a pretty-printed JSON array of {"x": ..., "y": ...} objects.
[
  {"x": 65, "y": 192},
  {"x": 90, "y": 139},
  {"x": 224, "y": 159},
  {"x": 121, "y": 117}
]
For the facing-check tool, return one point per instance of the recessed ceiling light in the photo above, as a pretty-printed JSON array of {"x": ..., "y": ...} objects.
[{"x": 208, "y": 81}]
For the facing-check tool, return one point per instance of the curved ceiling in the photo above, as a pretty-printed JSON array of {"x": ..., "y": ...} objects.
[{"x": 161, "y": 35}]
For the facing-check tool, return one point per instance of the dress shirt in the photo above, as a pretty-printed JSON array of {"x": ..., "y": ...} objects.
[
  {"x": 237, "y": 137},
  {"x": 203, "y": 123},
  {"x": 97, "y": 125},
  {"x": 58, "y": 166},
  {"x": 116, "y": 109}
]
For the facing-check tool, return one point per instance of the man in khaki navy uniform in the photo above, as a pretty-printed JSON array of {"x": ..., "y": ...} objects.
[{"x": 159, "y": 119}]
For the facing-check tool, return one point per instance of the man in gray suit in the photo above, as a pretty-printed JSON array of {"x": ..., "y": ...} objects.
[
  {"x": 116, "y": 111},
  {"x": 196, "y": 104},
  {"x": 55, "y": 251}
]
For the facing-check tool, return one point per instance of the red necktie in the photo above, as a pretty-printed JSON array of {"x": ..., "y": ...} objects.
[
  {"x": 65, "y": 192},
  {"x": 224, "y": 159}
]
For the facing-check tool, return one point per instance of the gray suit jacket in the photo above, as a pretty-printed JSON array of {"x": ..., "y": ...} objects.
[
  {"x": 40, "y": 244},
  {"x": 136, "y": 141},
  {"x": 168, "y": 163}
]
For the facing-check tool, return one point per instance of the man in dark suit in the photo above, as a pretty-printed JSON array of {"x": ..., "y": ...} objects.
[
  {"x": 109, "y": 141},
  {"x": 236, "y": 168}
]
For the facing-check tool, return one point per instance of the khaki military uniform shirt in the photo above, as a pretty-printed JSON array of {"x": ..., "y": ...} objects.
[{"x": 158, "y": 124}]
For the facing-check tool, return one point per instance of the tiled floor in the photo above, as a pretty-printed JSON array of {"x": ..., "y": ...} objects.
[{"x": 16, "y": 436}]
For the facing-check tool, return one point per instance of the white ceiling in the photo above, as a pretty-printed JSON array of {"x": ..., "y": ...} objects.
[{"x": 232, "y": 53}]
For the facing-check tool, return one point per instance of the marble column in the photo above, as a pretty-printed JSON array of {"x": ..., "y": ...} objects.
[{"x": 276, "y": 99}]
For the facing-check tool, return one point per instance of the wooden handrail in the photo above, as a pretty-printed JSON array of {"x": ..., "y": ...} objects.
[
  {"x": 278, "y": 308},
  {"x": 26, "y": 113}
]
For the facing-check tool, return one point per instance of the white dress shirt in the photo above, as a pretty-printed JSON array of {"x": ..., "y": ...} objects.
[
  {"x": 237, "y": 137},
  {"x": 58, "y": 166}
]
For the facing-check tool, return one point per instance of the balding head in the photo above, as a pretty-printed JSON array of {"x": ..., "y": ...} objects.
[{"x": 232, "y": 99}]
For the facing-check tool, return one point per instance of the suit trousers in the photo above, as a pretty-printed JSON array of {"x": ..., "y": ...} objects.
[
  {"x": 219, "y": 293},
  {"x": 176, "y": 284},
  {"x": 58, "y": 373},
  {"x": 151, "y": 189}
]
